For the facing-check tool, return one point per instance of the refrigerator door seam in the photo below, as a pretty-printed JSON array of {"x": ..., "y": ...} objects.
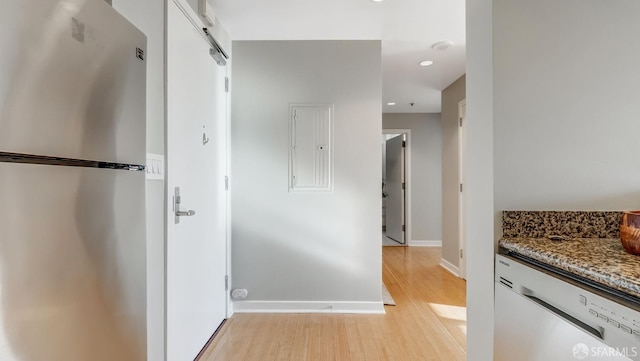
[{"x": 6, "y": 157}]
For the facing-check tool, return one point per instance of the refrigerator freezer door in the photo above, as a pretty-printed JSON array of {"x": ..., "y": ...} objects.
[
  {"x": 72, "y": 81},
  {"x": 72, "y": 264}
]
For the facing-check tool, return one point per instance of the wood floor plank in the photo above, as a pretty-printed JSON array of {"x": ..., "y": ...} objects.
[{"x": 427, "y": 323}]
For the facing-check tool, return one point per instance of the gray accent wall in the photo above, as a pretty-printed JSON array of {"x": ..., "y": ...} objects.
[
  {"x": 322, "y": 246},
  {"x": 426, "y": 170},
  {"x": 451, "y": 96}
]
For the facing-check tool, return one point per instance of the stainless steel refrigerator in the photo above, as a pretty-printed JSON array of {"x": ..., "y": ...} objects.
[{"x": 72, "y": 183}]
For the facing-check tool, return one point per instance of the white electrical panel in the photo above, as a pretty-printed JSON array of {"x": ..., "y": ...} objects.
[{"x": 311, "y": 148}]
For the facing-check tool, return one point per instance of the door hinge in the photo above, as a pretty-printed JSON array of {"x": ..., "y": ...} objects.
[
  {"x": 404, "y": 228},
  {"x": 404, "y": 186},
  {"x": 226, "y": 283},
  {"x": 226, "y": 183},
  {"x": 460, "y": 253},
  {"x": 460, "y": 121},
  {"x": 226, "y": 84},
  {"x": 404, "y": 144},
  {"x": 460, "y": 187}
]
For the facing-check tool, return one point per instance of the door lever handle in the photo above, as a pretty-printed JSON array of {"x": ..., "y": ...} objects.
[{"x": 176, "y": 207}]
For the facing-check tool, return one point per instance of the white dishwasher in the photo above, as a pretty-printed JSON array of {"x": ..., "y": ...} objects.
[{"x": 543, "y": 316}]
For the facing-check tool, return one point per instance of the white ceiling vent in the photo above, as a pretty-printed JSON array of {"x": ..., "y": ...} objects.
[
  {"x": 442, "y": 45},
  {"x": 205, "y": 11}
]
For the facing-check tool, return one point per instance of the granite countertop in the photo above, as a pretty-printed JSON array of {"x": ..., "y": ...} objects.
[{"x": 602, "y": 260}]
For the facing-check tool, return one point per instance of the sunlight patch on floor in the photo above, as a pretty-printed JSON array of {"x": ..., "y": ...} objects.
[{"x": 457, "y": 313}]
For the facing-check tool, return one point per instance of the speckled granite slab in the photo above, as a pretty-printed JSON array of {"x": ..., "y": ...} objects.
[
  {"x": 600, "y": 260},
  {"x": 575, "y": 224}
]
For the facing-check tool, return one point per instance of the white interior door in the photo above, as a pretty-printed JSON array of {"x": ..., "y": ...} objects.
[
  {"x": 196, "y": 159},
  {"x": 395, "y": 189}
]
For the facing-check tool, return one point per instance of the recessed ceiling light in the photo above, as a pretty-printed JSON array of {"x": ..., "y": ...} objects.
[
  {"x": 391, "y": 103},
  {"x": 426, "y": 62},
  {"x": 442, "y": 45},
  {"x": 377, "y": 1}
]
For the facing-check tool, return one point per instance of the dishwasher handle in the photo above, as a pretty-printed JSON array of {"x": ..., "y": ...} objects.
[{"x": 587, "y": 328}]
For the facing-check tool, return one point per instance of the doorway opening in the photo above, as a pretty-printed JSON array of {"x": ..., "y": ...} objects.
[{"x": 396, "y": 188}]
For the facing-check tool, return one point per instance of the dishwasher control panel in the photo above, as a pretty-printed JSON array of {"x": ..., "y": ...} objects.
[{"x": 614, "y": 315}]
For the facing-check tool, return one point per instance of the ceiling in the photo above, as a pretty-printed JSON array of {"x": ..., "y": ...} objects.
[{"x": 407, "y": 29}]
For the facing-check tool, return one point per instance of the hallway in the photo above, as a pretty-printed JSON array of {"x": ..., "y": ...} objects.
[{"x": 427, "y": 323}]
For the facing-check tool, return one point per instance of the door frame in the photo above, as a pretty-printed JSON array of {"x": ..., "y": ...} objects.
[
  {"x": 462, "y": 166},
  {"x": 230, "y": 310},
  {"x": 407, "y": 181}
]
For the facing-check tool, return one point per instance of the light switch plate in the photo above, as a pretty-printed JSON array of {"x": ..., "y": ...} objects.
[{"x": 155, "y": 166}]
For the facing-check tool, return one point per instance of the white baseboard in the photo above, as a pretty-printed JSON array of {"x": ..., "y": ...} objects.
[
  {"x": 307, "y": 307},
  {"x": 449, "y": 267},
  {"x": 421, "y": 243}
]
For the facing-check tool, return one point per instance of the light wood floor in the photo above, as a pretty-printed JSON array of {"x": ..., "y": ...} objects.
[{"x": 427, "y": 323}]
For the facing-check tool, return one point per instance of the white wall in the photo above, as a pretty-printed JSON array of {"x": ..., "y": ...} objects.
[
  {"x": 567, "y": 104},
  {"x": 317, "y": 247},
  {"x": 148, "y": 16},
  {"x": 451, "y": 97},
  {"x": 426, "y": 171},
  {"x": 479, "y": 215}
]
